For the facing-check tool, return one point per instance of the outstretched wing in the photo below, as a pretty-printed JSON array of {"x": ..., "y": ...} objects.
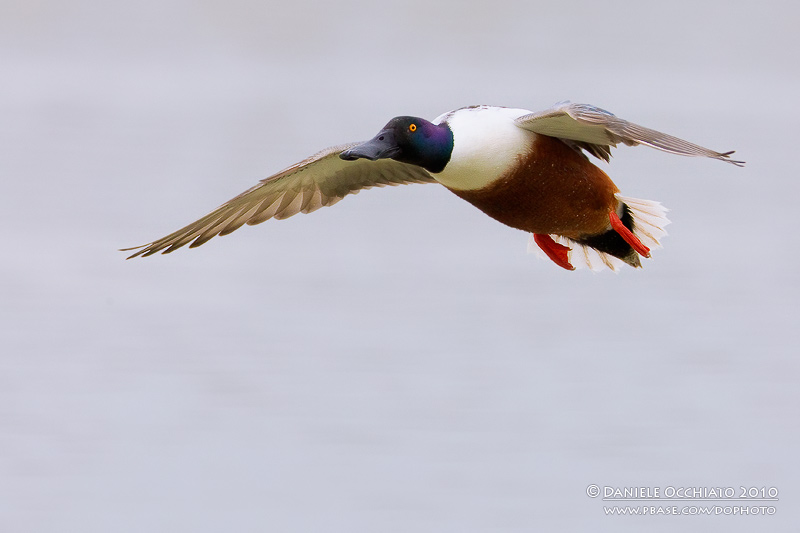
[
  {"x": 322, "y": 179},
  {"x": 596, "y": 131}
]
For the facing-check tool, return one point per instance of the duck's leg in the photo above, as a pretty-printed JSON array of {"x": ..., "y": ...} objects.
[
  {"x": 627, "y": 235},
  {"x": 557, "y": 252}
]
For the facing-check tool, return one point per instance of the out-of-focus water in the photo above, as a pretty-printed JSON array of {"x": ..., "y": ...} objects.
[{"x": 396, "y": 362}]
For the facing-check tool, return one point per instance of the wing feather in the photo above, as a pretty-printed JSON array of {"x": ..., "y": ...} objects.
[
  {"x": 596, "y": 131},
  {"x": 320, "y": 180}
]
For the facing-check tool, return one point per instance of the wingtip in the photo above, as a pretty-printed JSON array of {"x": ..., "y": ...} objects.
[
  {"x": 141, "y": 249},
  {"x": 726, "y": 156},
  {"x": 128, "y": 250}
]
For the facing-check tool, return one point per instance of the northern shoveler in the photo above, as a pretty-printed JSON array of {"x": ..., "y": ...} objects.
[{"x": 527, "y": 170}]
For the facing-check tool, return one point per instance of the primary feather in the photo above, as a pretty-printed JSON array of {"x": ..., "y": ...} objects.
[
  {"x": 320, "y": 180},
  {"x": 597, "y": 130}
]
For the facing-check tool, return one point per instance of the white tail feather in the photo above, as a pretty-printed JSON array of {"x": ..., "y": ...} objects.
[{"x": 649, "y": 220}]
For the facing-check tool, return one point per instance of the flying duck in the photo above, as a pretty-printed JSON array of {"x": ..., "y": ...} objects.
[{"x": 527, "y": 170}]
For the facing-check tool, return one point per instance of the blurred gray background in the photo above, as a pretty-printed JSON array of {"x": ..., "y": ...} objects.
[{"x": 396, "y": 362}]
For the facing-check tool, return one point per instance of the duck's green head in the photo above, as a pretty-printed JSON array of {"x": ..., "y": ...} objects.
[{"x": 411, "y": 140}]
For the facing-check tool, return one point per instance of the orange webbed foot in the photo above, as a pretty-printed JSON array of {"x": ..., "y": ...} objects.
[
  {"x": 557, "y": 252},
  {"x": 627, "y": 235}
]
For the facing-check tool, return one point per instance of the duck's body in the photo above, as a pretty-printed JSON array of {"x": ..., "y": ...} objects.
[
  {"x": 532, "y": 182},
  {"x": 487, "y": 145},
  {"x": 526, "y": 170},
  {"x": 552, "y": 189}
]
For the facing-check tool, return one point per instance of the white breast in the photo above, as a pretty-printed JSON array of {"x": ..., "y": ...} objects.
[{"x": 486, "y": 144}]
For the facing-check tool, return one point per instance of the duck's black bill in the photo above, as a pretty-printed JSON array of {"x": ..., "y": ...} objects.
[{"x": 382, "y": 146}]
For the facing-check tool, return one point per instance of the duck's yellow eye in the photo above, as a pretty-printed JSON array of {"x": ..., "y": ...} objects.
[{"x": 412, "y": 127}]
